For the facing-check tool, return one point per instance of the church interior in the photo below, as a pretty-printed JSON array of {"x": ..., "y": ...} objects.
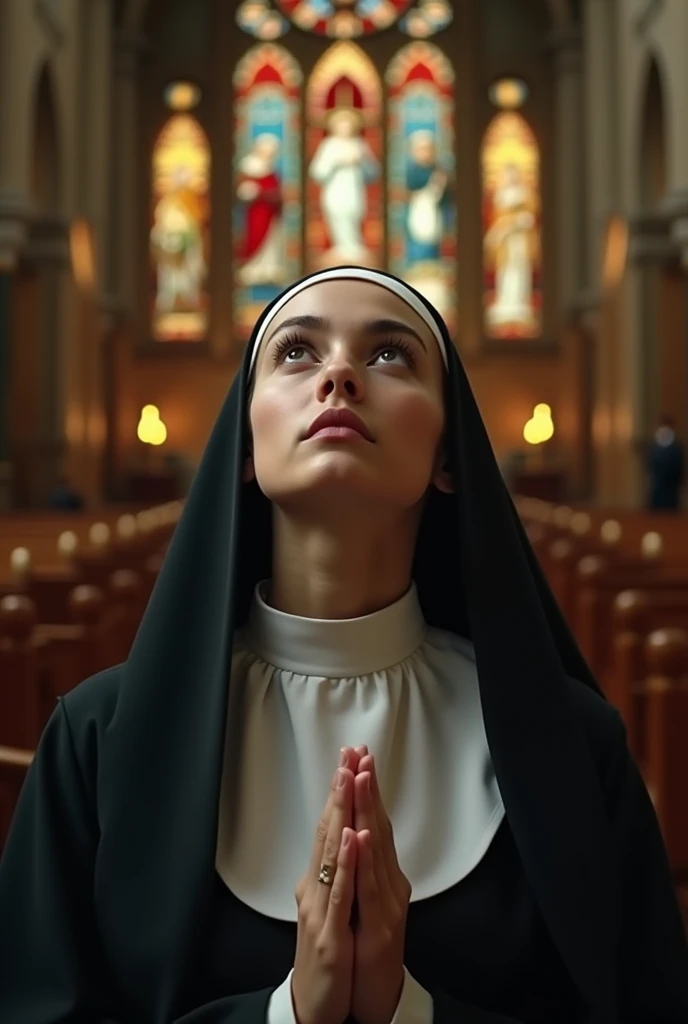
[{"x": 168, "y": 167}]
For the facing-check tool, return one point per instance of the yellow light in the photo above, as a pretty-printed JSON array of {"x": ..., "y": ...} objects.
[
  {"x": 182, "y": 96},
  {"x": 539, "y": 427},
  {"x": 508, "y": 93},
  {"x": 151, "y": 429}
]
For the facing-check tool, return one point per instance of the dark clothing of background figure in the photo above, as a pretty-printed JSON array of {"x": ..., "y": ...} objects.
[
  {"x": 666, "y": 472},
  {"x": 64, "y": 498}
]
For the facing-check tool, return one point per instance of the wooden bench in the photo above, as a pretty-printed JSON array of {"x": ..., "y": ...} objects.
[
  {"x": 13, "y": 767},
  {"x": 666, "y": 760},
  {"x": 636, "y": 615}
]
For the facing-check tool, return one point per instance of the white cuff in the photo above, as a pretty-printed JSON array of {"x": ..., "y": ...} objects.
[
  {"x": 281, "y": 1007},
  {"x": 415, "y": 1006}
]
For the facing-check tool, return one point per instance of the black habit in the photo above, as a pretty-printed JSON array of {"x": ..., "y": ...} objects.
[{"x": 110, "y": 906}]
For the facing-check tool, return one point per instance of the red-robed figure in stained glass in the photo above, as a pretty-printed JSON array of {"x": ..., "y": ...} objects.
[{"x": 260, "y": 189}]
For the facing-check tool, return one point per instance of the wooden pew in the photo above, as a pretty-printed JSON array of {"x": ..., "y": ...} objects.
[
  {"x": 13, "y": 767},
  {"x": 666, "y": 764},
  {"x": 40, "y": 662},
  {"x": 598, "y": 583},
  {"x": 636, "y": 615}
]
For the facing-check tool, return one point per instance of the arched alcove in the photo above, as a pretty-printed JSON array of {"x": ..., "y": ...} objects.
[
  {"x": 663, "y": 286},
  {"x": 653, "y": 156},
  {"x": 46, "y": 184},
  {"x": 38, "y": 286}
]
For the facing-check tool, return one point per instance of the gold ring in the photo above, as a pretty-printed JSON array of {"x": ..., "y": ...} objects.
[{"x": 326, "y": 875}]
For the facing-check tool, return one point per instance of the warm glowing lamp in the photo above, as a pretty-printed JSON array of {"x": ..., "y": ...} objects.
[
  {"x": 539, "y": 427},
  {"x": 151, "y": 429}
]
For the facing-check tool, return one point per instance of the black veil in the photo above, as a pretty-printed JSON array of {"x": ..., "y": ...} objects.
[{"x": 476, "y": 575}]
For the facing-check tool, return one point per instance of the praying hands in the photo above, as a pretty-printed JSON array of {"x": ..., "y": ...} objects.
[{"x": 352, "y": 906}]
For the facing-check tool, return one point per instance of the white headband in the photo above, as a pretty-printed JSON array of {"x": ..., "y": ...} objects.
[{"x": 392, "y": 284}]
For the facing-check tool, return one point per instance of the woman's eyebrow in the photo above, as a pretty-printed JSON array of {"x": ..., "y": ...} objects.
[
  {"x": 390, "y": 327},
  {"x": 320, "y": 323},
  {"x": 308, "y": 323}
]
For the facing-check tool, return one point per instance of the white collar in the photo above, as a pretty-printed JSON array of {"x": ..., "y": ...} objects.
[{"x": 336, "y": 648}]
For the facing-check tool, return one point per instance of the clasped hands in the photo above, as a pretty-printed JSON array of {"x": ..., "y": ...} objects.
[{"x": 351, "y": 933}]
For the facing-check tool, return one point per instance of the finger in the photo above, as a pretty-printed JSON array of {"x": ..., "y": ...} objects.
[
  {"x": 340, "y": 818},
  {"x": 384, "y": 865},
  {"x": 364, "y": 809},
  {"x": 341, "y": 895},
  {"x": 384, "y": 830},
  {"x": 323, "y": 825},
  {"x": 367, "y": 888}
]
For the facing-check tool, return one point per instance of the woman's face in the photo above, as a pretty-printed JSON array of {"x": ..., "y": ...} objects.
[{"x": 353, "y": 346}]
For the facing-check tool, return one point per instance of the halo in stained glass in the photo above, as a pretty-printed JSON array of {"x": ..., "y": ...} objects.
[
  {"x": 257, "y": 18},
  {"x": 508, "y": 93},
  {"x": 427, "y": 18},
  {"x": 343, "y": 19},
  {"x": 182, "y": 96}
]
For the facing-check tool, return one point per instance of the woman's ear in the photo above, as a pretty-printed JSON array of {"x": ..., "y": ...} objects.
[
  {"x": 443, "y": 478},
  {"x": 249, "y": 473}
]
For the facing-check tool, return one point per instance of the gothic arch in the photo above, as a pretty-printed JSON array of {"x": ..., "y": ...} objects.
[
  {"x": 46, "y": 157},
  {"x": 652, "y": 155}
]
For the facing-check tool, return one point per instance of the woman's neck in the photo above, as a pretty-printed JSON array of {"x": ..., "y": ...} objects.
[{"x": 355, "y": 570}]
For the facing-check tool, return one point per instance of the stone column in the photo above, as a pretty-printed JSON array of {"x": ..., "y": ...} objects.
[
  {"x": 38, "y": 371},
  {"x": 600, "y": 90},
  {"x": 14, "y": 211},
  {"x": 98, "y": 139},
  {"x": 126, "y": 169},
  {"x": 570, "y": 163}
]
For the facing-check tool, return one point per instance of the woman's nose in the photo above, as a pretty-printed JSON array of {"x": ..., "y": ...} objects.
[{"x": 340, "y": 378}]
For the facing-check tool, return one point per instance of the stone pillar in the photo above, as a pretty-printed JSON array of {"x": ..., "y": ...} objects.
[
  {"x": 126, "y": 170},
  {"x": 38, "y": 371},
  {"x": 656, "y": 251},
  {"x": 570, "y": 163},
  {"x": 98, "y": 140},
  {"x": 600, "y": 88},
  {"x": 14, "y": 211}
]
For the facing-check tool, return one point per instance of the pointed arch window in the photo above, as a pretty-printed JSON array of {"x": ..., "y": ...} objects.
[
  {"x": 344, "y": 153},
  {"x": 511, "y": 208},
  {"x": 421, "y": 223},
  {"x": 180, "y": 231}
]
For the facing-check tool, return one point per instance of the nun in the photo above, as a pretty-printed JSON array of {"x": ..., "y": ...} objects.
[{"x": 354, "y": 768}]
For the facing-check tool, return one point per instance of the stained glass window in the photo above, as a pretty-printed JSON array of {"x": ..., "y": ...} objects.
[
  {"x": 426, "y": 18},
  {"x": 511, "y": 229},
  {"x": 179, "y": 235},
  {"x": 421, "y": 167},
  {"x": 343, "y": 19},
  {"x": 259, "y": 19},
  {"x": 268, "y": 199},
  {"x": 344, "y": 148}
]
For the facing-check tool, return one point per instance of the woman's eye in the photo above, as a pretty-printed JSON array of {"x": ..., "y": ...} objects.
[
  {"x": 293, "y": 354},
  {"x": 392, "y": 356},
  {"x": 296, "y": 354}
]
